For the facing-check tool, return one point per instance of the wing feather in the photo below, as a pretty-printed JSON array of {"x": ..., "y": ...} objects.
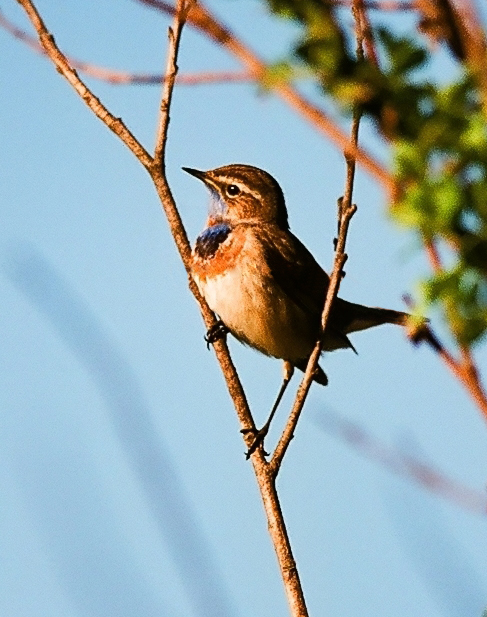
[{"x": 302, "y": 279}]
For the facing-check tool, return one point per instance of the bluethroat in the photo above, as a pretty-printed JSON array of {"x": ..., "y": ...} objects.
[{"x": 262, "y": 282}]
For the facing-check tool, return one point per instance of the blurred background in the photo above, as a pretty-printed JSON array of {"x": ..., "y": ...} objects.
[{"x": 124, "y": 487}]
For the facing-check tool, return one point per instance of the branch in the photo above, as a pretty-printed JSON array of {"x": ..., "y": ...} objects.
[
  {"x": 345, "y": 214},
  {"x": 346, "y": 210},
  {"x": 471, "y": 36},
  {"x": 200, "y": 18},
  {"x": 122, "y": 78},
  {"x": 170, "y": 77},
  {"x": 464, "y": 369},
  {"x": 364, "y": 30},
  {"x": 384, "y": 5}
]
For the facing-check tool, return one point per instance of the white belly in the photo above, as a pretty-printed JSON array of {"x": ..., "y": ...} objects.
[{"x": 257, "y": 312}]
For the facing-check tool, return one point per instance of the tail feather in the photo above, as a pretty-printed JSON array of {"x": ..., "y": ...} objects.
[
  {"x": 348, "y": 317},
  {"x": 319, "y": 376},
  {"x": 354, "y": 317}
]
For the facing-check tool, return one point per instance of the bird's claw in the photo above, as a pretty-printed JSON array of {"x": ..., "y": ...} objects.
[
  {"x": 217, "y": 331},
  {"x": 259, "y": 437}
]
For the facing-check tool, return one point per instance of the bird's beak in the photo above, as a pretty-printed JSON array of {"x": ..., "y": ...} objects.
[
  {"x": 217, "y": 205},
  {"x": 201, "y": 175},
  {"x": 204, "y": 177}
]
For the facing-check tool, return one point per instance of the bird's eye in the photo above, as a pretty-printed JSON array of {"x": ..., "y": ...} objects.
[{"x": 232, "y": 190}]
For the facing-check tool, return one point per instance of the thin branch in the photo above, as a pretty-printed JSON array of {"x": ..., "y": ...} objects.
[
  {"x": 174, "y": 34},
  {"x": 464, "y": 369},
  {"x": 433, "y": 255},
  {"x": 199, "y": 17},
  {"x": 346, "y": 210},
  {"x": 474, "y": 44},
  {"x": 363, "y": 24},
  {"x": 202, "y": 19},
  {"x": 116, "y": 125},
  {"x": 337, "y": 274}
]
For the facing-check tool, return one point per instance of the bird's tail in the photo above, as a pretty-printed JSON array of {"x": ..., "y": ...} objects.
[
  {"x": 354, "y": 317},
  {"x": 319, "y": 376}
]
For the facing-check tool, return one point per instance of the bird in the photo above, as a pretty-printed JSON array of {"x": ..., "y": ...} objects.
[{"x": 262, "y": 282}]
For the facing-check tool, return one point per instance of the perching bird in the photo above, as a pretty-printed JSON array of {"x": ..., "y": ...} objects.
[{"x": 263, "y": 283}]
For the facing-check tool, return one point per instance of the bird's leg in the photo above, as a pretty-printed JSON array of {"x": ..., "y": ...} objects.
[
  {"x": 261, "y": 434},
  {"x": 217, "y": 331}
]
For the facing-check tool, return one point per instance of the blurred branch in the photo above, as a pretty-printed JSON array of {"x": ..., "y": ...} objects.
[
  {"x": 116, "y": 77},
  {"x": 463, "y": 368},
  {"x": 469, "y": 32},
  {"x": 372, "y": 5},
  {"x": 403, "y": 464},
  {"x": 132, "y": 422},
  {"x": 201, "y": 18}
]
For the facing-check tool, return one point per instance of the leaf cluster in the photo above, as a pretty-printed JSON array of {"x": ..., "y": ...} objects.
[{"x": 438, "y": 134}]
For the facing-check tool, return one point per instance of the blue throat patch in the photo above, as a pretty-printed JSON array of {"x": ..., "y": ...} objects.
[{"x": 210, "y": 239}]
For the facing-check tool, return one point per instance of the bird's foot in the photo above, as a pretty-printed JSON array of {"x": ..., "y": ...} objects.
[
  {"x": 217, "y": 331},
  {"x": 259, "y": 437}
]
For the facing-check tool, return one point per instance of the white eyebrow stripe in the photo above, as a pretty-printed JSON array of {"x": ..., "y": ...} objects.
[
  {"x": 255, "y": 194},
  {"x": 243, "y": 187}
]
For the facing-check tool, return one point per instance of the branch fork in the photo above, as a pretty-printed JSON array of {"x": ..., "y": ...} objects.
[{"x": 265, "y": 472}]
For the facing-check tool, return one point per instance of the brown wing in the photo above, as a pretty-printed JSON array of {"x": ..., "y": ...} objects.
[
  {"x": 295, "y": 270},
  {"x": 301, "y": 278}
]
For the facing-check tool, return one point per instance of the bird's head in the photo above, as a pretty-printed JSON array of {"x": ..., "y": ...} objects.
[{"x": 242, "y": 193}]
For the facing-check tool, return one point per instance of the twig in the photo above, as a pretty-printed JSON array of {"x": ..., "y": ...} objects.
[
  {"x": 464, "y": 369},
  {"x": 174, "y": 34},
  {"x": 345, "y": 212},
  {"x": 362, "y": 23},
  {"x": 345, "y": 215},
  {"x": 202, "y": 19}
]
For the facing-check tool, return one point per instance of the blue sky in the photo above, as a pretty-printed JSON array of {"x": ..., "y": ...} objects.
[{"x": 124, "y": 486}]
